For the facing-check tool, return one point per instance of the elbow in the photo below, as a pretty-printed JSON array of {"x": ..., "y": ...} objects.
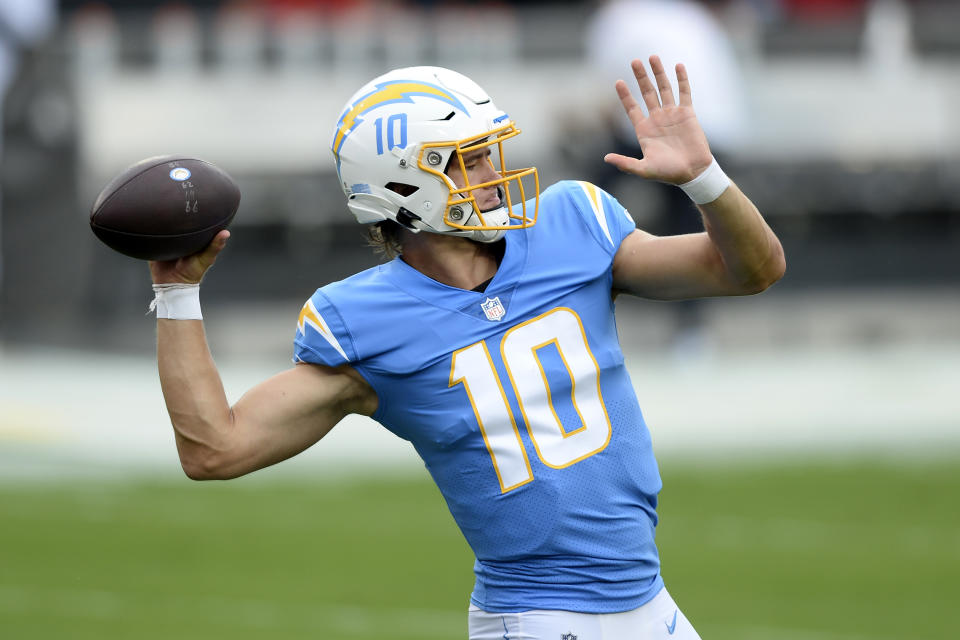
[
  {"x": 204, "y": 465},
  {"x": 768, "y": 274},
  {"x": 206, "y": 451},
  {"x": 198, "y": 470},
  {"x": 777, "y": 267}
]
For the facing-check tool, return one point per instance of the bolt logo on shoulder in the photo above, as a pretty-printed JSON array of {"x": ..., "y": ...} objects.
[{"x": 390, "y": 92}]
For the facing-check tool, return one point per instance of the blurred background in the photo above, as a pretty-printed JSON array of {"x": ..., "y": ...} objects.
[{"x": 838, "y": 118}]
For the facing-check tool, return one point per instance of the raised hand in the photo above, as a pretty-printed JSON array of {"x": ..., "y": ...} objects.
[
  {"x": 675, "y": 149},
  {"x": 190, "y": 269}
]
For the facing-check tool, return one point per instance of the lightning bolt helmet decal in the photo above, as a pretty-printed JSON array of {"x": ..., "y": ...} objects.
[
  {"x": 390, "y": 92},
  {"x": 400, "y": 134}
]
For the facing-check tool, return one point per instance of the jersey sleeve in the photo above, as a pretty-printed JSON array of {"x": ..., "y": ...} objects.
[
  {"x": 322, "y": 335},
  {"x": 609, "y": 222}
]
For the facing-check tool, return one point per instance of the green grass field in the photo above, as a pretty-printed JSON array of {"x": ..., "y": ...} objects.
[{"x": 818, "y": 551}]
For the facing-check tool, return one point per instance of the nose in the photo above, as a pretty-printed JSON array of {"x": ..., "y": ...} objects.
[{"x": 488, "y": 172}]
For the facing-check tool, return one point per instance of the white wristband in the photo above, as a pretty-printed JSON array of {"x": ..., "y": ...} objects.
[
  {"x": 176, "y": 301},
  {"x": 708, "y": 186}
]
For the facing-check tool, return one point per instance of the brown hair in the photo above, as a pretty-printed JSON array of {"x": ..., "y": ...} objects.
[{"x": 386, "y": 238}]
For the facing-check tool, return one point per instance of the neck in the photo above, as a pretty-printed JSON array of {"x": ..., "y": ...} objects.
[{"x": 453, "y": 261}]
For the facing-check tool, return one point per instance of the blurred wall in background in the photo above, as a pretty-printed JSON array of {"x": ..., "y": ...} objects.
[{"x": 849, "y": 146}]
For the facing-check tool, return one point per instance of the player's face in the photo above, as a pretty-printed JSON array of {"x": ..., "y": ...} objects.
[{"x": 479, "y": 169}]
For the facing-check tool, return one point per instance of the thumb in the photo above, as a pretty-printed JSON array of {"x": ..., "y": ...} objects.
[
  {"x": 189, "y": 269},
  {"x": 217, "y": 244},
  {"x": 627, "y": 164},
  {"x": 208, "y": 256}
]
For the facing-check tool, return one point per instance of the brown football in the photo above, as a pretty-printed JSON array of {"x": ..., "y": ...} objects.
[{"x": 165, "y": 207}]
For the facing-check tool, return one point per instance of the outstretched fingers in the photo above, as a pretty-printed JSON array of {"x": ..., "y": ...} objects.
[
  {"x": 630, "y": 104},
  {"x": 647, "y": 90},
  {"x": 663, "y": 82},
  {"x": 683, "y": 86}
]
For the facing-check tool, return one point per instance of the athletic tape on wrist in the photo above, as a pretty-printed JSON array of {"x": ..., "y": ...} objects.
[
  {"x": 176, "y": 301},
  {"x": 707, "y": 186}
]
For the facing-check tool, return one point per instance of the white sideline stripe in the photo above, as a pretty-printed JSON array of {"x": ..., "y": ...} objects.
[
  {"x": 900, "y": 399},
  {"x": 231, "y": 612},
  {"x": 594, "y": 197}
]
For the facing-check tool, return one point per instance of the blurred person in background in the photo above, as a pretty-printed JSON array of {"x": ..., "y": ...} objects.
[
  {"x": 676, "y": 30},
  {"x": 489, "y": 343},
  {"x": 23, "y": 23}
]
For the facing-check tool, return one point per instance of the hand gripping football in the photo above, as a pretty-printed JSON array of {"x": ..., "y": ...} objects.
[{"x": 164, "y": 208}]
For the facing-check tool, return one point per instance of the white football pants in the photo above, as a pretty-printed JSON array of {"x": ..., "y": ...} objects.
[{"x": 659, "y": 619}]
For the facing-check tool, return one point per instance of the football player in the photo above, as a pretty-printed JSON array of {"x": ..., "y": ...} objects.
[{"x": 490, "y": 344}]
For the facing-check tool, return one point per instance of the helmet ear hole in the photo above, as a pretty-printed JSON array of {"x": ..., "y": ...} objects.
[{"x": 402, "y": 189}]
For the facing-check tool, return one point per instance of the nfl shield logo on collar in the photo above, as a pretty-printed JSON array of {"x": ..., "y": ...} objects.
[{"x": 493, "y": 309}]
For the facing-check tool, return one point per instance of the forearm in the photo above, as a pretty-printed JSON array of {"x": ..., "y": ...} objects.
[
  {"x": 276, "y": 419},
  {"x": 750, "y": 252},
  {"x": 193, "y": 393}
]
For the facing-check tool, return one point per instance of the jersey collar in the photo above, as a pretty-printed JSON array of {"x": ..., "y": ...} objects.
[{"x": 445, "y": 296}]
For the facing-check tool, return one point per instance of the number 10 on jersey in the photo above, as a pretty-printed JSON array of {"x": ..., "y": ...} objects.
[{"x": 557, "y": 446}]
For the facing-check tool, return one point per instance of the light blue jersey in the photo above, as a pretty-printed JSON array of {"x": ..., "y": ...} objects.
[{"x": 518, "y": 401}]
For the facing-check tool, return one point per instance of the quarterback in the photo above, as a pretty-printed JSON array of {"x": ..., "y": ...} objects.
[{"x": 489, "y": 342}]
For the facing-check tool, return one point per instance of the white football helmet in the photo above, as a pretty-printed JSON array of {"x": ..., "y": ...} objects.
[{"x": 395, "y": 139}]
